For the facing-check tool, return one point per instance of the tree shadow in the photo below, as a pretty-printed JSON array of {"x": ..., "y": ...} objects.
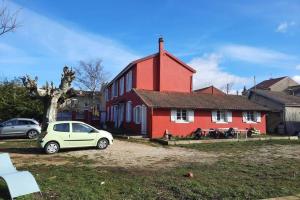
[{"x": 28, "y": 150}]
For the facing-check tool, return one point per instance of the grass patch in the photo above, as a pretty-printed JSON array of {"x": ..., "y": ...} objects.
[
  {"x": 241, "y": 146},
  {"x": 228, "y": 178}
]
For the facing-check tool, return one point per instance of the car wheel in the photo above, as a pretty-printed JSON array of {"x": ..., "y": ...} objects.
[
  {"x": 102, "y": 143},
  {"x": 51, "y": 147},
  {"x": 32, "y": 134}
]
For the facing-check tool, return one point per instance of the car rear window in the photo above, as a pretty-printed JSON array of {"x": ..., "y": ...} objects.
[{"x": 63, "y": 127}]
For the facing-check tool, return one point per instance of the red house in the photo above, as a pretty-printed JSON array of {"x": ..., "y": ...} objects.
[{"x": 154, "y": 94}]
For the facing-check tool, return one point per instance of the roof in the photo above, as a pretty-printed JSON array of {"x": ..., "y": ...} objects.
[
  {"x": 266, "y": 84},
  {"x": 149, "y": 57},
  {"x": 280, "y": 97},
  {"x": 213, "y": 90},
  {"x": 157, "y": 99}
]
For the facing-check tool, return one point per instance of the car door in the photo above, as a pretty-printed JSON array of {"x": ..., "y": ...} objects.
[
  {"x": 82, "y": 135},
  {"x": 61, "y": 133},
  {"x": 21, "y": 127},
  {"x": 9, "y": 128}
]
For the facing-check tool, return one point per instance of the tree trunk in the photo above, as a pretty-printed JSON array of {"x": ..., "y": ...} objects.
[{"x": 50, "y": 110}]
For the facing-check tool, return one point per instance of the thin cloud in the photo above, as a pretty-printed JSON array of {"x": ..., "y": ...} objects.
[
  {"x": 296, "y": 78},
  {"x": 49, "y": 43},
  {"x": 209, "y": 73},
  {"x": 298, "y": 67},
  {"x": 284, "y": 26},
  {"x": 254, "y": 54}
]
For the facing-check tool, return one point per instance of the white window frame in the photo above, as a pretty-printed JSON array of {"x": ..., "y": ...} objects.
[
  {"x": 247, "y": 117},
  {"x": 121, "y": 82},
  {"x": 128, "y": 81},
  {"x": 221, "y": 116},
  {"x": 188, "y": 119},
  {"x": 128, "y": 111}
]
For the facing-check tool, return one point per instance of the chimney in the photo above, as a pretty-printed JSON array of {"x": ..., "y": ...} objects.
[
  {"x": 160, "y": 45},
  {"x": 160, "y": 64}
]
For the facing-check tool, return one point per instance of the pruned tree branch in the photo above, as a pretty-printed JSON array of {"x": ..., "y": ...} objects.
[{"x": 8, "y": 19}]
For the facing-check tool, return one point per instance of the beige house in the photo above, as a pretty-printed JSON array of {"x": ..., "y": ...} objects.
[
  {"x": 83, "y": 107},
  {"x": 276, "y": 84},
  {"x": 285, "y": 110}
]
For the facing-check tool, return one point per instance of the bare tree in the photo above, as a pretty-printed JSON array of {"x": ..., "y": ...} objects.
[
  {"x": 49, "y": 94},
  {"x": 91, "y": 76},
  {"x": 8, "y": 19},
  {"x": 227, "y": 88}
]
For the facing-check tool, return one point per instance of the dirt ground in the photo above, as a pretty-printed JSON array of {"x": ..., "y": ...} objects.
[
  {"x": 121, "y": 154},
  {"x": 127, "y": 154}
]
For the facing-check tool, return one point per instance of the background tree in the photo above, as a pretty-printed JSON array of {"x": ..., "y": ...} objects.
[
  {"x": 91, "y": 76},
  {"x": 15, "y": 101},
  {"x": 8, "y": 19},
  {"x": 49, "y": 94}
]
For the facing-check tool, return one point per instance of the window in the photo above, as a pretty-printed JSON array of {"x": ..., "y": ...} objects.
[
  {"x": 25, "y": 122},
  {"x": 128, "y": 111},
  {"x": 106, "y": 95},
  {"x": 64, "y": 127},
  {"x": 10, "y": 123},
  {"x": 181, "y": 115},
  {"x": 81, "y": 128},
  {"x": 129, "y": 81},
  {"x": 221, "y": 116},
  {"x": 86, "y": 104},
  {"x": 137, "y": 114},
  {"x": 114, "y": 89},
  {"x": 122, "y": 86},
  {"x": 251, "y": 117}
]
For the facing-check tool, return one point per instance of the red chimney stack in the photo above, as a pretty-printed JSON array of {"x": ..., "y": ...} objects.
[{"x": 161, "y": 44}]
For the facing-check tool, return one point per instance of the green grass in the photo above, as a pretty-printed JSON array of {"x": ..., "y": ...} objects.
[
  {"x": 228, "y": 178},
  {"x": 241, "y": 146}
]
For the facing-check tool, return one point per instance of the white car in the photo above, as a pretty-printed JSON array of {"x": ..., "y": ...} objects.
[
  {"x": 20, "y": 127},
  {"x": 71, "y": 134}
]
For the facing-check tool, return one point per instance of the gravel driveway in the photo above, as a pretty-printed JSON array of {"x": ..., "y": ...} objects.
[{"x": 131, "y": 154}]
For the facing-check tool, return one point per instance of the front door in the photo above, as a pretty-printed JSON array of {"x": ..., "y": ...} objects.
[
  {"x": 144, "y": 120},
  {"x": 81, "y": 135}
]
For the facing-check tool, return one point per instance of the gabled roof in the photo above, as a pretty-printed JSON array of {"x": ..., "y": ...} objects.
[
  {"x": 279, "y": 97},
  {"x": 179, "y": 61},
  {"x": 149, "y": 57},
  {"x": 266, "y": 84},
  {"x": 213, "y": 90},
  {"x": 157, "y": 99},
  {"x": 132, "y": 64}
]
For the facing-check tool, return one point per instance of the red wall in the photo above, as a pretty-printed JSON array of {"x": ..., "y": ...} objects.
[
  {"x": 174, "y": 76},
  {"x": 210, "y": 90},
  {"x": 202, "y": 119},
  {"x": 130, "y": 127},
  {"x": 147, "y": 74}
]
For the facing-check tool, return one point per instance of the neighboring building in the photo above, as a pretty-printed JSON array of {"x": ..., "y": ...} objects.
[
  {"x": 210, "y": 90},
  {"x": 154, "y": 94},
  {"x": 284, "y": 115},
  {"x": 293, "y": 90},
  {"x": 276, "y": 84},
  {"x": 84, "y": 108}
]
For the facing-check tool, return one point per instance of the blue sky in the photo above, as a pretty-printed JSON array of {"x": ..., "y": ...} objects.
[{"x": 225, "y": 41}]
